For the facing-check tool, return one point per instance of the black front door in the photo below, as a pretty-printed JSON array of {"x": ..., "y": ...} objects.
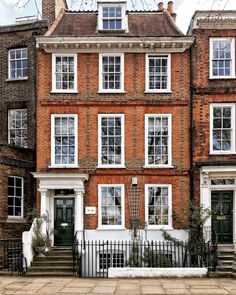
[
  {"x": 63, "y": 222},
  {"x": 222, "y": 215}
]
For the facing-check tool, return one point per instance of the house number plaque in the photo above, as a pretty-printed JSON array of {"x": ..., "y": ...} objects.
[
  {"x": 221, "y": 217},
  {"x": 90, "y": 210}
]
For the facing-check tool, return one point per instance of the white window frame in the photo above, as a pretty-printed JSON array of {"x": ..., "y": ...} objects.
[
  {"x": 124, "y": 21},
  {"x": 9, "y": 137},
  {"x": 54, "y": 90},
  {"x": 9, "y": 67},
  {"x": 232, "y": 76},
  {"x": 111, "y": 252},
  {"x": 169, "y": 226},
  {"x": 169, "y": 165},
  {"x": 22, "y": 199},
  {"x": 233, "y": 122},
  {"x": 111, "y": 227},
  {"x": 122, "y": 67},
  {"x": 168, "y": 89},
  {"x": 53, "y": 164},
  {"x": 122, "y": 165}
]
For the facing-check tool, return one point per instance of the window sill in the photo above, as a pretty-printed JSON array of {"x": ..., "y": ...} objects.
[
  {"x": 111, "y": 31},
  {"x": 111, "y": 228},
  {"x": 111, "y": 167},
  {"x": 63, "y": 166},
  {"x": 16, "y": 79},
  {"x": 64, "y": 91},
  {"x": 158, "y": 91},
  {"x": 111, "y": 92},
  {"x": 16, "y": 220},
  {"x": 222, "y": 78},
  {"x": 222, "y": 153},
  {"x": 159, "y": 227},
  {"x": 158, "y": 167}
]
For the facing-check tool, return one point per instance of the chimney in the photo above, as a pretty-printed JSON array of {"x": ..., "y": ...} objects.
[
  {"x": 170, "y": 9},
  {"x": 51, "y": 9},
  {"x": 160, "y": 6}
]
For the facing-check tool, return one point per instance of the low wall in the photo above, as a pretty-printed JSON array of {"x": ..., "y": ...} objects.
[{"x": 156, "y": 272}]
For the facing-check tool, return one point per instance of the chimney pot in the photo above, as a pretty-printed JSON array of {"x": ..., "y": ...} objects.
[
  {"x": 170, "y": 7},
  {"x": 160, "y": 6}
]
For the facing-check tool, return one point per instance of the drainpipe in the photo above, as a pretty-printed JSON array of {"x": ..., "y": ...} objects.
[{"x": 191, "y": 125}]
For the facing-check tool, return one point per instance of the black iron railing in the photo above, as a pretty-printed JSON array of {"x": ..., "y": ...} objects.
[
  {"x": 76, "y": 257},
  {"x": 13, "y": 258},
  {"x": 94, "y": 258}
]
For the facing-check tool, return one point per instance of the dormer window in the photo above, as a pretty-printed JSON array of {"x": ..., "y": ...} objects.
[{"x": 112, "y": 16}]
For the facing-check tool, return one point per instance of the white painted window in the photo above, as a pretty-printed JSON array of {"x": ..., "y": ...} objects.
[
  {"x": 111, "y": 206},
  {"x": 107, "y": 259},
  {"x": 17, "y": 127},
  {"x": 112, "y": 17},
  {"x": 64, "y": 73},
  {"x": 158, "y": 73},
  {"x": 111, "y": 140},
  {"x": 222, "y": 58},
  {"x": 158, "y": 140},
  {"x": 222, "y": 128},
  {"x": 17, "y": 63},
  {"x": 158, "y": 205},
  {"x": 15, "y": 196},
  {"x": 111, "y": 72},
  {"x": 64, "y": 140}
]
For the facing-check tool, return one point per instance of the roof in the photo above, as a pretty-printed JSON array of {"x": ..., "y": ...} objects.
[
  {"x": 23, "y": 27},
  {"x": 212, "y": 19},
  {"x": 140, "y": 24}
]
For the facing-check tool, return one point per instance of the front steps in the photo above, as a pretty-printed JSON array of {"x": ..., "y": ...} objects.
[
  {"x": 57, "y": 262},
  {"x": 225, "y": 257}
]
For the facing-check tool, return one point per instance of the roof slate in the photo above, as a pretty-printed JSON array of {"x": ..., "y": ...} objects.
[{"x": 140, "y": 24}]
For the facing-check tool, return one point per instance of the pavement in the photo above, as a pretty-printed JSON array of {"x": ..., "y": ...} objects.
[{"x": 69, "y": 286}]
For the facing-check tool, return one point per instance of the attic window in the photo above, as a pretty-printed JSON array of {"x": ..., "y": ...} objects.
[{"x": 112, "y": 17}]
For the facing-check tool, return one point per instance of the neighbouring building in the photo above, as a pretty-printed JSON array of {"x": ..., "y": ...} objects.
[
  {"x": 18, "y": 68},
  {"x": 113, "y": 117},
  {"x": 214, "y": 129}
]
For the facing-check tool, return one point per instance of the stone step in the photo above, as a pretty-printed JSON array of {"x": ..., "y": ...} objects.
[
  {"x": 220, "y": 274},
  {"x": 226, "y": 257},
  {"x": 59, "y": 253},
  {"x": 50, "y": 274},
  {"x": 55, "y": 258},
  {"x": 225, "y": 262},
  {"x": 224, "y": 268},
  {"x": 53, "y": 269},
  {"x": 52, "y": 263}
]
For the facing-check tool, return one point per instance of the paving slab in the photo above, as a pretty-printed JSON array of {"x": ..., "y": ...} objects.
[
  {"x": 177, "y": 291},
  {"x": 152, "y": 290},
  {"x": 128, "y": 287},
  {"x": 209, "y": 291},
  {"x": 103, "y": 290}
]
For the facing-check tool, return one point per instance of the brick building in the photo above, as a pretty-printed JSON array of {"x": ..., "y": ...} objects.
[
  {"x": 113, "y": 117},
  {"x": 18, "y": 65},
  {"x": 213, "y": 140}
]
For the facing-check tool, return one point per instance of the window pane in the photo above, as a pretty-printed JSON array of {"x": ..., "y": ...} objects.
[
  {"x": 15, "y": 195},
  {"x": 222, "y": 58},
  {"x": 111, "y": 140},
  {"x": 158, "y": 206},
  {"x": 18, "y": 63},
  {"x": 222, "y": 129},
  {"x": 158, "y": 72},
  {"x": 157, "y": 140},
  {"x": 64, "y": 139},
  {"x": 17, "y": 127},
  {"x": 65, "y": 72},
  {"x": 111, "y": 206}
]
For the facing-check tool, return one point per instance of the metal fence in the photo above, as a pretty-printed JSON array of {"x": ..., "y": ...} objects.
[
  {"x": 13, "y": 259},
  {"x": 94, "y": 258}
]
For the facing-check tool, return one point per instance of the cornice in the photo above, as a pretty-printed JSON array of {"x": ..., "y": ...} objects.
[{"x": 98, "y": 44}]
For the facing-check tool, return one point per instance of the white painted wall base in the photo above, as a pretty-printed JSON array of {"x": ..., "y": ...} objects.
[{"x": 156, "y": 272}]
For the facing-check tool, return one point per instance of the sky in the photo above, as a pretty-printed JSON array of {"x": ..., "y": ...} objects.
[{"x": 11, "y": 9}]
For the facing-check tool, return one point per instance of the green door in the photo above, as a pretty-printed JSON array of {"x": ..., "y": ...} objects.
[
  {"x": 63, "y": 222},
  {"x": 222, "y": 215}
]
